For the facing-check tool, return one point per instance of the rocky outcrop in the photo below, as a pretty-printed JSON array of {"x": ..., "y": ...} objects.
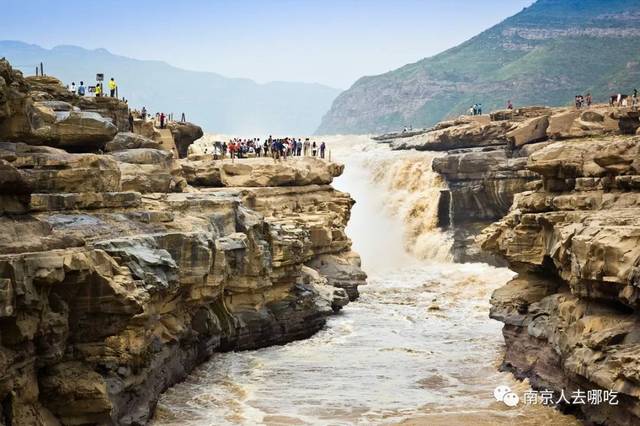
[
  {"x": 111, "y": 291},
  {"x": 128, "y": 140},
  {"x": 184, "y": 134},
  {"x": 41, "y": 111},
  {"x": 117, "y": 278},
  {"x": 464, "y": 132},
  {"x": 256, "y": 172},
  {"x": 570, "y": 316},
  {"x": 112, "y": 109},
  {"x": 519, "y": 127},
  {"x": 486, "y": 157}
]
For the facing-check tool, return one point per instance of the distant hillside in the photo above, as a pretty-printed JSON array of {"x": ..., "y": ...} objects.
[
  {"x": 219, "y": 104},
  {"x": 545, "y": 54}
]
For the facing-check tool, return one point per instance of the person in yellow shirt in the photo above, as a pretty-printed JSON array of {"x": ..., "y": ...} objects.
[
  {"x": 112, "y": 87},
  {"x": 98, "y": 90}
]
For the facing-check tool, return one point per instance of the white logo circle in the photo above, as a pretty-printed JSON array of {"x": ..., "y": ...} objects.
[
  {"x": 504, "y": 394},
  {"x": 511, "y": 399},
  {"x": 500, "y": 392}
]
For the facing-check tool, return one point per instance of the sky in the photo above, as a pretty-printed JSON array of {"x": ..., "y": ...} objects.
[{"x": 332, "y": 42}]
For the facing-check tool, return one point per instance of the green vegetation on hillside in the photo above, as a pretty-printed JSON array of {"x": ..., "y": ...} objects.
[{"x": 546, "y": 54}]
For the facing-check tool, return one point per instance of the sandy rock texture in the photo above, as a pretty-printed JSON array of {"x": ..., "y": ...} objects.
[
  {"x": 486, "y": 157},
  {"x": 121, "y": 272},
  {"x": 184, "y": 134},
  {"x": 41, "y": 111},
  {"x": 570, "y": 315}
]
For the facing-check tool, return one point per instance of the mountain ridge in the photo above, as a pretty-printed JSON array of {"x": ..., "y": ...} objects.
[
  {"x": 220, "y": 104},
  {"x": 528, "y": 58}
]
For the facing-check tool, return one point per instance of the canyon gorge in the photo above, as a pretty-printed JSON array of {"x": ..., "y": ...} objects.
[
  {"x": 122, "y": 267},
  {"x": 559, "y": 185},
  {"x": 144, "y": 282}
]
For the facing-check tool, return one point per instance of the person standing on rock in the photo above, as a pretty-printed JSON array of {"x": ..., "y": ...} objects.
[
  {"x": 112, "y": 87},
  {"x": 143, "y": 113},
  {"x": 509, "y": 104},
  {"x": 323, "y": 146},
  {"x": 314, "y": 148},
  {"x": 72, "y": 89},
  {"x": 306, "y": 147},
  {"x": 162, "y": 117},
  {"x": 130, "y": 121},
  {"x": 81, "y": 89},
  {"x": 589, "y": 100},
  {"x": 98, "y": 90}
]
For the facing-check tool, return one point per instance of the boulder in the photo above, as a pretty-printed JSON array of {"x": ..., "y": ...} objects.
[
  {"x": 128, "y": 140},
  {"x": 145, "y": 128},
  {"x": 561, "y": 122},
  {"x": 144, "y": 156},
  {"x": 113, "y": 109},
  {"x": 468, "y": 134},
  {"x": 68, "y": 129},
  {"x": 184, "y": 134},
  {"x": 341, "y": 271},
  {"x": 47, "y": 169},
  {"x": 202, "y": 172},
  {"x": 530, "y": 130},
  {"x": 266, "y": 172}
]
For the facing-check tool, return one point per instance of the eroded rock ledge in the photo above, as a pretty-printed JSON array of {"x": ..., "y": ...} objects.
[
  {"x": 120, "y": 272},
  {"x": 570, "y": 316},
  {"x": 486, "y": 156},
  {"x": 563, "y": 185}
]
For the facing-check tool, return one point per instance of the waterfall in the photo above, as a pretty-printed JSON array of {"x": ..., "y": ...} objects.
[{"x": 399, "y": 185}]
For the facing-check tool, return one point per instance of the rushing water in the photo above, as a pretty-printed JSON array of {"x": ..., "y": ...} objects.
[{"x": 416, "y": 348}]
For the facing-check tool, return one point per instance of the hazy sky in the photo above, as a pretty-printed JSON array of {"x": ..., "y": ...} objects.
[{"x": 333, "y": 42}]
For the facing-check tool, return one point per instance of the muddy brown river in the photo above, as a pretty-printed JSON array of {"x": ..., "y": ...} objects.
[{"x": 417, "y": 348}]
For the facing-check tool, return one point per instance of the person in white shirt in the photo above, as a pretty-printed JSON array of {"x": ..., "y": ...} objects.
[{"x": 72, "y": 89}]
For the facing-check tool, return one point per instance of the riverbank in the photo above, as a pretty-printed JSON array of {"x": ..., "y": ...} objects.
[
  {"x": 418, "y": 345},
  {"x": 122, "y": 267},
  {"x": 558, "y": 188}
]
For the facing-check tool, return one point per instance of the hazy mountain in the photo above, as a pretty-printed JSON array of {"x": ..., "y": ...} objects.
[
  {"x": 217, "y": 103},
  {"x": 545, "y": 54}
]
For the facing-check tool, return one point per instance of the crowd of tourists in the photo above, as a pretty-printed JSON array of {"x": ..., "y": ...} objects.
[
  {"x": 276, "y": 148},
  {"x": 97, "y": 90}
]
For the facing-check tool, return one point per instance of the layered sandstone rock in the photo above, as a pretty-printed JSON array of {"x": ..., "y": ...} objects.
[
  {"x": 484, "y": 165},
  {"x": 519, "y": 127},
  {"x": 184, "y": 134},
  {"x": 41, "y": 111},
  {"x": 111, "y": 291},
  {"x": 256, "y": 172},
  {"x": 129, "y": 140},
  {"x": 571, "y": 314},
  {"x": 117, "y": 277}
]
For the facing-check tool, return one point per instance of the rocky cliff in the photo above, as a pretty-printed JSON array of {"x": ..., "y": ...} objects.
[
  {"x": 120, "y": 272},
  {"x": 545, "y": 54},
  {"x": 563, "y": 186},
  {"x": 485, "y": 159},
  {"x": 570, "y": 315}
]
